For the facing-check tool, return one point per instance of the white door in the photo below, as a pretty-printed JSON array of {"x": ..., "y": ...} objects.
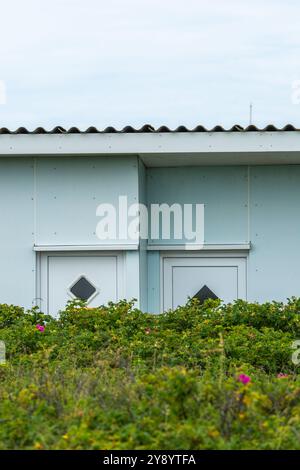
[
  {"x": 94, "y": 278},
  {"x": 203, "y": 277}
]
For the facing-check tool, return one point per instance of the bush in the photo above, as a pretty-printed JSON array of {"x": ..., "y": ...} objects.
[{"x": 113, "y": 377}]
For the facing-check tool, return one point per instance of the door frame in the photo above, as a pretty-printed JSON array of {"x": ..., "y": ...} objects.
[
  {"x": 42, "y": 271},
  {"x": 229, "y": 254}
]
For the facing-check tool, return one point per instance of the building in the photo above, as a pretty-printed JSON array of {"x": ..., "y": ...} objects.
[{"x": 247, "y": 182}]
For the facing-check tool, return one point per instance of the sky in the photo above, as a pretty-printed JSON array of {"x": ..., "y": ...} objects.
[{"x": 131, "y": 62}]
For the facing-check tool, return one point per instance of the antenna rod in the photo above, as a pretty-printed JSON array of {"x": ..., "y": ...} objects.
[{"x": 250, "y": 117}]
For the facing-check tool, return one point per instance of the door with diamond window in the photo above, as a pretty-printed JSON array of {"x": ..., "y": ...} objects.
[
  {"x": 202, "y": 277},
  {"x": 94, "y": 278}
]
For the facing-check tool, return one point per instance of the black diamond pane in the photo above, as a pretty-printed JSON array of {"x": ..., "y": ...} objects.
[
  {"x": 83, "y": 289},
  {"x": 205, "y": 293}
]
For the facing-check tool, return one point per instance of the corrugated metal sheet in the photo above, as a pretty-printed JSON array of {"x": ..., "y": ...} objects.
[{"x": 147, "y": 128}]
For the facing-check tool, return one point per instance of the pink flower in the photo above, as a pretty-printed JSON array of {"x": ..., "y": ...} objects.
[
  {"x": 282, "y": 376},
  {"x": 244, "y": 378},
  {"x": 40, "y": 327}
]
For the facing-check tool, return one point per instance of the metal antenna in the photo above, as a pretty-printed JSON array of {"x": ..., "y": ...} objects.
[{"x": 250, "y": 114}]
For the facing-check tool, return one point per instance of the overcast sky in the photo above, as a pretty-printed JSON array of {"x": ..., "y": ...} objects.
[{"x": 118, "y": 62}]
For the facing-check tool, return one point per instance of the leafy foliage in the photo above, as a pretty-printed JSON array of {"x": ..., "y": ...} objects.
[{"x": 113, "y": 377}]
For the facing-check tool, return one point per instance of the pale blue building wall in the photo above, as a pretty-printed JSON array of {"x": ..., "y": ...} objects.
[
  {"x": 17, "y": 259},
  {"x": 223, "y": 191},
  {"x": 143, "y": 255},
  {"x": 259, "y": 204},
  {"x": 154, "y": 281},
  {"x": 68, "y": 191},
  {"x": 53, "y": 200},
  {"x": 274, "y": 258}
]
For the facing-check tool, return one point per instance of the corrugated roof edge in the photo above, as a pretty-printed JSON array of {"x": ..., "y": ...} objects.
[{"x": 148, "y": 129}]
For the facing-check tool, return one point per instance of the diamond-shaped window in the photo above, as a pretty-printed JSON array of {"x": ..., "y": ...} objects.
[
  {"x": 205, "y": 293},
  {"x": 82, "y": 289}
]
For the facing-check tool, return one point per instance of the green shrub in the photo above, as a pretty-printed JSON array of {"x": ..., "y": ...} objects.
[{"x": 113, "y": 377}]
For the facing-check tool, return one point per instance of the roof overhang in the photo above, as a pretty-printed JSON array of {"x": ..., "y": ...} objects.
[{"x": 164, "y": 149}]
